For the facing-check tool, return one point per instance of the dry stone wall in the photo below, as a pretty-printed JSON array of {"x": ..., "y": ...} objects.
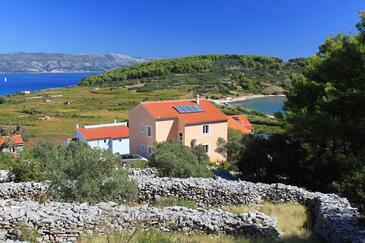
[
  {"x": 64, "y": 222},
  {"x": 335, "y": 219}
]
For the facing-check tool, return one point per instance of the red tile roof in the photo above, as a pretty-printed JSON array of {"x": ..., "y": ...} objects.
[
  {"x": 16, "y": 139},
  {"x": 240, "y": 122},
  {"x": 165, "y": 110},
  {"x": 104, "y": 132}
]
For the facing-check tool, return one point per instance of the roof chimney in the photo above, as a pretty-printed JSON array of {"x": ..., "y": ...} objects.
[{"x": 197, "y": 99}]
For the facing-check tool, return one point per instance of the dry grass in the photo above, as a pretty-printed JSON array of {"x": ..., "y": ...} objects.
[
  {"x": 292, "y": 220},
  {"x": 154, "y": 236}
]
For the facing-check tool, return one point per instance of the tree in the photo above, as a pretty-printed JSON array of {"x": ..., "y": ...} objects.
[
  {"x": 91, "y": 175},
  {"x": 232, "y": 148},
  {"x": 26, "y": 168},
  {"x": 175, "y": 159},
  {"x": 326, "y": 115}
]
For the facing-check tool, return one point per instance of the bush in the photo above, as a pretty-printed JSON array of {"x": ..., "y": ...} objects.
[
  {"x": 77, "y": 172},
  {"x": 177, "y": 160},
  {"x": 6, "y": 160},
  {"x": 26, "y": 168},
  {"x": 90, "y": 175}
]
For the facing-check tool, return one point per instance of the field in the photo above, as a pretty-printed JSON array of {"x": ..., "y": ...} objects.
[{"x": 53, "y": 114}]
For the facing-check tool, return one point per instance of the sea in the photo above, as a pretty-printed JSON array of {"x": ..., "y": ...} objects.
[
  {"x": 268, "y": 105},
  {"x": 11, "y": 83}
]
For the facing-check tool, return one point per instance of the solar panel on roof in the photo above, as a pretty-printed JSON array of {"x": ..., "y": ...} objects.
[{"x": 188, "y": 108}]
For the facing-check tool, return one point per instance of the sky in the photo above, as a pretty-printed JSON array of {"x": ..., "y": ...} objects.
[{"x": 170, "y": 28}]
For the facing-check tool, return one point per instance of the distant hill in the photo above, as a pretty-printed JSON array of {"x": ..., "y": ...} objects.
[
  {"x": 211, "y": 75},
  {"x": 47, "y": 62}
]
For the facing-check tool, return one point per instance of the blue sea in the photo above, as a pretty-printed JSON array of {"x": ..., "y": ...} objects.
[
  {"x": 267, "y": 105},
  {"x": 16, "y": 82}
]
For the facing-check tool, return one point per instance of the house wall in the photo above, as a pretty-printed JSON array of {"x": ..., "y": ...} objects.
[
  {"x": 13, "y": 148},
  {"x": 120, "y": 145},
  {"x": 166, "y": 130},
  {"x": 139, "y": 116},
  {"x": 216, "y": 130},
  {"x": 100, "y": 143}
]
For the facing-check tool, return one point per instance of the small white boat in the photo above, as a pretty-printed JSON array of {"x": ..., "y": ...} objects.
[{"x": 5, "y": 80}]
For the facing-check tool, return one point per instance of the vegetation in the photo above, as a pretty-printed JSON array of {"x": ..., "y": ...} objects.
[
  {"x": 175, "y": 159},
  {"x": 206, "y": 74},
  {"x": 26, "y": 168},
  {"x": 67, "y": 107},
  {"x": 77, "y": 172},
  {"x": 322, "y": 147},
  {"x": 25, "y": 233},
  {"x": 154, "y": 236},
  {"x": 6, "y": 160},
  {"x": 261, "y": 123},
  {"x": 293, "y": 219}
]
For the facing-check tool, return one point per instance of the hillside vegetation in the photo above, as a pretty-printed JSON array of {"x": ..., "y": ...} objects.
[{"x": 211, "y": 75}]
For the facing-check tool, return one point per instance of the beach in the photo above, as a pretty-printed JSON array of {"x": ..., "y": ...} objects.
[{"x": 243, "y": 98}]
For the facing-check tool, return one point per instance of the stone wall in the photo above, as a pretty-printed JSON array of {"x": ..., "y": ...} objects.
[
  {"x": 64, "y": 222},
  {"x": 335, "y": 219}
]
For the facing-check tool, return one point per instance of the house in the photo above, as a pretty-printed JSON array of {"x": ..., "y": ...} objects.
[
  {"x": 240, "y": 123},
  {"x": 11, "y": 144},
  {"x": 193, "y": 122},
  {"x": 113, "y": 136}
]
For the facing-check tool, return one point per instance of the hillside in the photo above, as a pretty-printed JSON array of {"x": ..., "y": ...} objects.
[
  {"x": 212, "y": 75},
  {"x": 46, "y": 62}
]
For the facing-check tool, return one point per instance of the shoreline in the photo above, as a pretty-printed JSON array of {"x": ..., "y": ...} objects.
[{"x": 229, "y": 100}]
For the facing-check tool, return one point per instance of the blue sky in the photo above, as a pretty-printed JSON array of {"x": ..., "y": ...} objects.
[{"x": 168, "y": 28}]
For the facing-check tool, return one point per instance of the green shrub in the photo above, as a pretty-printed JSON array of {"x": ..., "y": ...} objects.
[
  {"x": 26, "y": 168},
  {"x": 6, "y": 160},
  {"x": 91, "y": 175},
  {"x": 175, "y": 159}
]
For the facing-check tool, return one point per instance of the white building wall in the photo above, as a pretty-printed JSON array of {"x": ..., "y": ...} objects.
[
  {"x": 115, "y": 145},
  {"x": 120, "y": 146},
  {"x": 100, "y": 144}
]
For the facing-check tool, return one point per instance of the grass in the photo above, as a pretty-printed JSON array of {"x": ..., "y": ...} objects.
[
  {"x": 154, "y": 236},
  {"x": 293, "y": 221},
  {"x": 174, "y": 201},
  {"x": 70, "y": 106},
  {"x": 140, "y": 164}
]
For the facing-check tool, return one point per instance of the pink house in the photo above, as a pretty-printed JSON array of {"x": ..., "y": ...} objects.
[{"x": 193, "y": 122}]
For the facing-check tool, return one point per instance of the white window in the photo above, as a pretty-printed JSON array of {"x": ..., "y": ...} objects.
[
  {"x": 142, "y": 127},
  {"x": 205, "y": 128},
  {"x": 180, "y": 136},
  {"x": 206, "y": 148},
  {"x": 142, "y": 148},
  {"x": 149, "y": 131},
  {"x": 149, "y": 148}
]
